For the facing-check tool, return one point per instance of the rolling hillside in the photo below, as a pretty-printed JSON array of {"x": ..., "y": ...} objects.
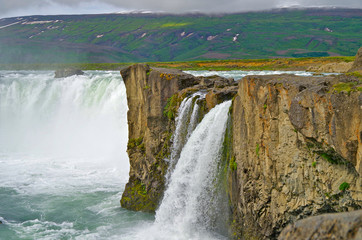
[{"x": 137, "y": 37}]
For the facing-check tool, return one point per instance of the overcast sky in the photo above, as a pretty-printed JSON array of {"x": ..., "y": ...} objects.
[{"x": 12, "y": 8}]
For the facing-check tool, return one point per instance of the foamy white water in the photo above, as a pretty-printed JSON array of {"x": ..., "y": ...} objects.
[
  {"x": 63, "y": 160},
  {"x": 238, "y": 74},
  {"x": 186, "y": 121}
]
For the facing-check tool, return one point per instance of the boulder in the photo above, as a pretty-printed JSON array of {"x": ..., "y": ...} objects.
[
  {"x": 346, "y": 225},
  {"x": 67, "y": 72},
  {"x": 357, "y": 64}
]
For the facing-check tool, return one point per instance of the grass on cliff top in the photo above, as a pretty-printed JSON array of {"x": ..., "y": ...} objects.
[{"x": 217, "y": 65}]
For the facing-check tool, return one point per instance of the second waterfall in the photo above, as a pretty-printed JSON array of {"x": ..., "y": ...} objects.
[{"x": 192, "y": 206}]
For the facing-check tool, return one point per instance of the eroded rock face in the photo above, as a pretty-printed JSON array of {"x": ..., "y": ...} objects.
[
  {"x": 149, "y": 132},
  {"x": 151, "y": 126},
  {"x": 346, "y": 226},
  {"x": 295, "y": 142},
  {"x": 357, "y": 65}
]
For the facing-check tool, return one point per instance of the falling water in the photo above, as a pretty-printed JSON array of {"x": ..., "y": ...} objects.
[
  {"x": 190, "y": 205},
  {"x": 63, "y": 156},
  {"x": 186, "y": 121},
  {"x": 63, "y": 163}
]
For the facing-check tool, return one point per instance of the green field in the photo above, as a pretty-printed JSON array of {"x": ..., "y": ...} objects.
[{"x": 115, "y": 38}]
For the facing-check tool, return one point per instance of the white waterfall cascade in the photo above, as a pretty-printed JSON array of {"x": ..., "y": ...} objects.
[
  {"x": 186, "y": 121},
  {"x": 72, "y": 128},
  {"x": 190, "y": 204}
]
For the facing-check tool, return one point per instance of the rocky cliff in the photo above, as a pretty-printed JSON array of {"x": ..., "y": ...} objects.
[
  {"x": 154, "y": 96},
  {"x": 297, "y": 148},
  {"x": 294, "y": 144}
]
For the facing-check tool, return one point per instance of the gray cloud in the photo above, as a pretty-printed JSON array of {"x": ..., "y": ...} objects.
[{"x": 26, "y": 7}]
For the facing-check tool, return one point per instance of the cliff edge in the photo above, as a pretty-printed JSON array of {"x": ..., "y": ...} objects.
[{"x": 297, "y": 148}]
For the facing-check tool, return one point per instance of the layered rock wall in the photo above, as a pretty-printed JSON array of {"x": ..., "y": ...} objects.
[
  {"x": 149, "y": 131},
  {"x": 296, "y": 141},
  {"x": 154, "y": 96}
]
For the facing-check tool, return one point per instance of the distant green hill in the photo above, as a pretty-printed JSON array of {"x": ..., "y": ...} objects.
[{"x": 161, "y": 37}]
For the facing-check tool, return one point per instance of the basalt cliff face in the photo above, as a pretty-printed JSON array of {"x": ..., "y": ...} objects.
[
  {"x": 293, "y": 145},
  {"x": 297, "y": 147},
  {"x": 154, "y": 96}
]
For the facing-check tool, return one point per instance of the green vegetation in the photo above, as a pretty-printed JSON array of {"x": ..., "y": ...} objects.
[
  {"x": 355, "y": 74},
  {"x": 135, "y": 142},
  {"x": 175, "y": 25},
  {"x": 331, "y": 156},
  {"x": 165, "y": 150},
  {"x": 348, "y": 87},
  {"x": 171, "y": 107},
  {"x": 216, "y": 65},
  {"x": 314, "y": 164},
  {"x": 233, "y": 164},
  {"x": 137, "y": 197},
  {"x": 344, "y": 186},
  {"x": 257, "y": 149},
  {"x": 131, "y": 38}
]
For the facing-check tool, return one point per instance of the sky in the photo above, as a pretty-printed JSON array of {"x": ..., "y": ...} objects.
[{"x": 13, "y": 8}]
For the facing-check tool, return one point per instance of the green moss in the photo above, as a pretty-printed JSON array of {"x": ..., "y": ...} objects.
[
  {"x": 233, "y": 165},
  {"x": 136, "y": 197},
  {"x": 257, "y": 149},
  {"x": 344, "y": 186},
  {"x": 165, "y": 150},
  {"x": 355, "y": 74},
  {"x": 331, "y": 156},
  {"x": 314, "y": 164},
  {"x": 171, "y": 107},
  {"x": 134, "y": 142},
  {"x": 347, "y": 87}
]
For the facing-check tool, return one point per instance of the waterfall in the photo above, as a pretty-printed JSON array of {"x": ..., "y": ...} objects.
[
  {"x": 79, "y": 115},
  {"x": 186, "y": 121},
  {"x": 191, "y": 205},
  {"x": 59, "y": 132}
]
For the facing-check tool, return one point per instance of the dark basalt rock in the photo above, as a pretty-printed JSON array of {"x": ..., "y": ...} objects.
[{"x": 67, "y": 72}]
